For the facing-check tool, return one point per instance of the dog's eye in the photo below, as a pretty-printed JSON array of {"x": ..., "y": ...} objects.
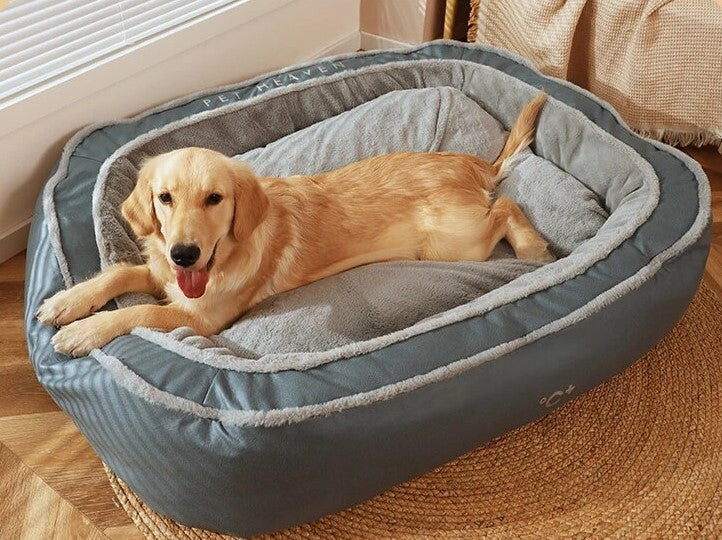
[
  {"x": 165, "y": 198},
  {"x": 213, "y": 199}
]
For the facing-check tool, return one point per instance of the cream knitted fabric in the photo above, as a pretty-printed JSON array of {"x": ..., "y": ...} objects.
[{"x": 659, "y": 62}]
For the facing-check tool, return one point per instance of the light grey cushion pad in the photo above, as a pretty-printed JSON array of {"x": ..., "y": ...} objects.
[
  {"x": 377, "y": 299},
  {"x": 423, "y": 120},
  {"x": 562, "y": 209},
  {"x": 358, "y": 304}
]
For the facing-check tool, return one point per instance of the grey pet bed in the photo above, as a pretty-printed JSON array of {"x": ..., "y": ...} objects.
[{"x": 323, "y": 396}]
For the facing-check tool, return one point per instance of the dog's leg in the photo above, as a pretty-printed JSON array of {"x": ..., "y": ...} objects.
[
  {"x": 528, "y": 244},
  {"x": 80, "y": 337},
  {"x": 85, "y": 298}
]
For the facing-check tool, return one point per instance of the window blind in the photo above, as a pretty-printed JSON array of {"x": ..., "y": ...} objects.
[{"x": 41, "y": 40}]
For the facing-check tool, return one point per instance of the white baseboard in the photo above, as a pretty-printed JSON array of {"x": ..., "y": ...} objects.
[
  {"x": 370, "y": 42},
  {"x": 350, "y": 43},
  {"x": 14, "y": 241}
]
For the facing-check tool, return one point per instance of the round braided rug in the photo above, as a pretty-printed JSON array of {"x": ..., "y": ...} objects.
[{"x": 637, "y": 457}]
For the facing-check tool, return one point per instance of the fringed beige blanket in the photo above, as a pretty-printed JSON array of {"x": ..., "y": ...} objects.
[{"x": 659, "y": 62}]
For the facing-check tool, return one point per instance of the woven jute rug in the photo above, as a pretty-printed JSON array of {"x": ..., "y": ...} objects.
[{"x": 638, "y": 457}]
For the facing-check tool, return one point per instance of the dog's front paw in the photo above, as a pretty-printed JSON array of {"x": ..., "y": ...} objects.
[
  {"x": 81, "y": 337},
  {"x": 542, "y": 256},
  {"x": 65, "y": 307}
]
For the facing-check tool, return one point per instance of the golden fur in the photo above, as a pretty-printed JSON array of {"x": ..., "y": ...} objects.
[{"x": 269, "y": 235}]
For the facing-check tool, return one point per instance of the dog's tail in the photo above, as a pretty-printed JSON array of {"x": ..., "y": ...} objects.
[{"x": 520, "y": 137}]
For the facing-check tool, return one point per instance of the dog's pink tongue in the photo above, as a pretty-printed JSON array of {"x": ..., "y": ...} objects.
[{"x": 192, "y": 282}]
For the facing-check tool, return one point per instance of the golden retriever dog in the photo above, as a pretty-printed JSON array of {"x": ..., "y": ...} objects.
[{"x": 218, "y": 239}]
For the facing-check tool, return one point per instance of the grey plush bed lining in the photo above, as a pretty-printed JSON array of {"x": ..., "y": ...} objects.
[{"x": 632, "y": 194}]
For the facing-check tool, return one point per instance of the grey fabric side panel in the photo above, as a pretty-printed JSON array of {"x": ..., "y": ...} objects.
[
  {"x": 259, "y": 480},
  {"x": 78, "y": 386},
  {"x": 42, "y": 279}
]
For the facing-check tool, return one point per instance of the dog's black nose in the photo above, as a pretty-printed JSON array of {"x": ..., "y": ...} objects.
[{"x": 185, "y": 255}]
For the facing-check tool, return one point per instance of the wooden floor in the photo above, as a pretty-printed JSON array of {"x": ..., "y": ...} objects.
[
  {"x": 52, "y": 485},
  {"x": 711, "y": 161}
]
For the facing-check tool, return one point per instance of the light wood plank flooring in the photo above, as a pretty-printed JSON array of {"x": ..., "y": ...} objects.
[{"x": 52, "y": 485}]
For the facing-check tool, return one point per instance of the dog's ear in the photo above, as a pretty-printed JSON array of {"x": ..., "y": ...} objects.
[
  {"x": 138, "y": 209},
  {"x": 251, "y": 203}
]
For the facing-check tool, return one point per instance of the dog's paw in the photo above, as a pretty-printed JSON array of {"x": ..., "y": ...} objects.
[
  {"x": 537, "y": 253},
  {"x": 543, "y": 257},
  {"x": 65, "y": 307},
  {"x": 81, "y": 337}
]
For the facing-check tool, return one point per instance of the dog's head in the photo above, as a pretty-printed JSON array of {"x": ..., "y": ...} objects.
[{"x": 192, "y": 200}]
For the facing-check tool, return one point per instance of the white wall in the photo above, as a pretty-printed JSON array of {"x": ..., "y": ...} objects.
[{"x": 254, "y": 37}]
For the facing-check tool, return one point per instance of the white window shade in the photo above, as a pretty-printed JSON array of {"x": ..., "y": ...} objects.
[{"x": 41, "y": 40}]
